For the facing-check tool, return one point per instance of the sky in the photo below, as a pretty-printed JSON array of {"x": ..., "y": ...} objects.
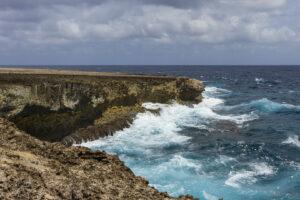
[{"x": 149, "y": 32}]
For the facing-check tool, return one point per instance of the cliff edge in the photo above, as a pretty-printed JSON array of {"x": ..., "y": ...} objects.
[{"x": 71, "y": 106}]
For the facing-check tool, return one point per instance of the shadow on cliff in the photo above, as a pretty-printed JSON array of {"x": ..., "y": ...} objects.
[{"x": 53, "y": 126}]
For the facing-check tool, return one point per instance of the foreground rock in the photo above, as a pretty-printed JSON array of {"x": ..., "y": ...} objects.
[{"x": 33, "y": 169}]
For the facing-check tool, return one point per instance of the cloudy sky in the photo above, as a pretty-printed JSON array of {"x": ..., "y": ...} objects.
[{"x": 149, "y": 32}]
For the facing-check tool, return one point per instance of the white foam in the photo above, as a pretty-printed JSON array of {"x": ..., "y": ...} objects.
[
  {"x": 150, "y": 130},
  {"x": 216, "y": 91},
  {"x": 153, "y": 106},
  {"x": 237, "y": 178},
  {"x": 209, "y": 196},
  {"x": 292, "y": 140},
  {"x": 224, "y": 160},
  {"x": 212, "y": 102},
  {"x": 179, "y": 162},
  {"x": 206, "y": 111},
  {"x": 259, "y": 80},
  {"x": 294, "y": 165}
]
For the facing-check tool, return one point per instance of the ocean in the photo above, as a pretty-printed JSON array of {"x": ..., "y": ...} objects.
[{"x": 241, "y": 142}]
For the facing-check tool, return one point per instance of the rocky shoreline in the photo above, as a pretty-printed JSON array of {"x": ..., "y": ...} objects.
[
  {"x": 34, "y": 169},
  {"x": 42, "y": 112}
]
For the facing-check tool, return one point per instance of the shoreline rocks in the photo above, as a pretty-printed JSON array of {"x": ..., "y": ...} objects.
[{"x": 34, "y": 169}]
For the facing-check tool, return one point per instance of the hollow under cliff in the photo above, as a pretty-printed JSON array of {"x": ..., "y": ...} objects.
[{"x": 50, "y": 125}]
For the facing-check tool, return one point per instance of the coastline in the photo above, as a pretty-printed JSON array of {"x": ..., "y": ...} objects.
[
  {"x": 37, "y": 100},
  {"x": 34, "y": 169},
  {"x": 88, "y": 105}
]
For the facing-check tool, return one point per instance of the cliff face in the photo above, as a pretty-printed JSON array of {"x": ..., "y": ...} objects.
[
  {"x": 74, "y": 106},
  {"x": 33, "y": 169}
]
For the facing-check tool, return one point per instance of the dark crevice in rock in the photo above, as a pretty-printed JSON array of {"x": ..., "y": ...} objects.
[
  {"x": 55, "y": 126},
  {"x": 6, "y": 109},
  {"x": 49, "y": 125}
]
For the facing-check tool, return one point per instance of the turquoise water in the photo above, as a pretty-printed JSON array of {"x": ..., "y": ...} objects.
[{"x": 241, "y": 142}]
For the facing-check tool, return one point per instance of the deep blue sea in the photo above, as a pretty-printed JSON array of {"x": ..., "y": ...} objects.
[{"x": 241, "y": 142}]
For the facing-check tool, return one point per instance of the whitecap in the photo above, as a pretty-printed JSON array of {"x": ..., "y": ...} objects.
[
  {"x": 259, "y": 80},
  {"x": 271, "y": 106},
  {"x": 215, "y": 91},
  {"x": 266, "y": 105},
  {"x": 207, "y": 112},
  {"x": 237, "y": 178},
  {"x": 180, "y": 162},
  {"x": 292, "y": 140}
]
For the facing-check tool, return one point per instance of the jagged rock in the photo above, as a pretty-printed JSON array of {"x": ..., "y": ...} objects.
[{"x": 33, "y": 169}]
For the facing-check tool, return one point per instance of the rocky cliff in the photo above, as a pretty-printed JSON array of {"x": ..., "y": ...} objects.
[
  {"x": 70, "y": 106},
  {"x": 62, "y": 107},
  {"x": 33, "y": 169}
]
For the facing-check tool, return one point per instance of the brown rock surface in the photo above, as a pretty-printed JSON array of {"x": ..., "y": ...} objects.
[
  {"x": 71, "y": 106},
  {"x": 33, "y": 169}
]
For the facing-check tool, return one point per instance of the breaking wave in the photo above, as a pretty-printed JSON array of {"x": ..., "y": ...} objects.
[
  {"x": 257, "y": 170},
  {"x": 292, "y": 140},
  {"x": 150, "y": 130},
  {"x": 209, "y": 91},
  {"x": 266, "y": 105}
]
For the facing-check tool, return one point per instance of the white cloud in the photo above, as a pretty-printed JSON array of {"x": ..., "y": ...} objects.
[
  {"x": 69, "y": 28},
  {"x": 259, "y": 4},
  {"x": 217, "y": 22},
  {"x": 271, "y": 34}
]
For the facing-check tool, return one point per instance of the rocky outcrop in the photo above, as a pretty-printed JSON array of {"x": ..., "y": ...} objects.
[
  {"x": 33, "y": 169},
  {"x": 70, "y": 106}
]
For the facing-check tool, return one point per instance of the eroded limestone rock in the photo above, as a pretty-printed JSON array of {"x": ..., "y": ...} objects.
[
  {"x": 64, "y": 105},
  {"x": 33, "y": 169}
]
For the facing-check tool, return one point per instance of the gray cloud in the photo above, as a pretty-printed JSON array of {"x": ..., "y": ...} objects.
[
  {"x": 177, "y": 3},
  {"x": 78, "y": 23},
  {"x": 31, "y": 4}
]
